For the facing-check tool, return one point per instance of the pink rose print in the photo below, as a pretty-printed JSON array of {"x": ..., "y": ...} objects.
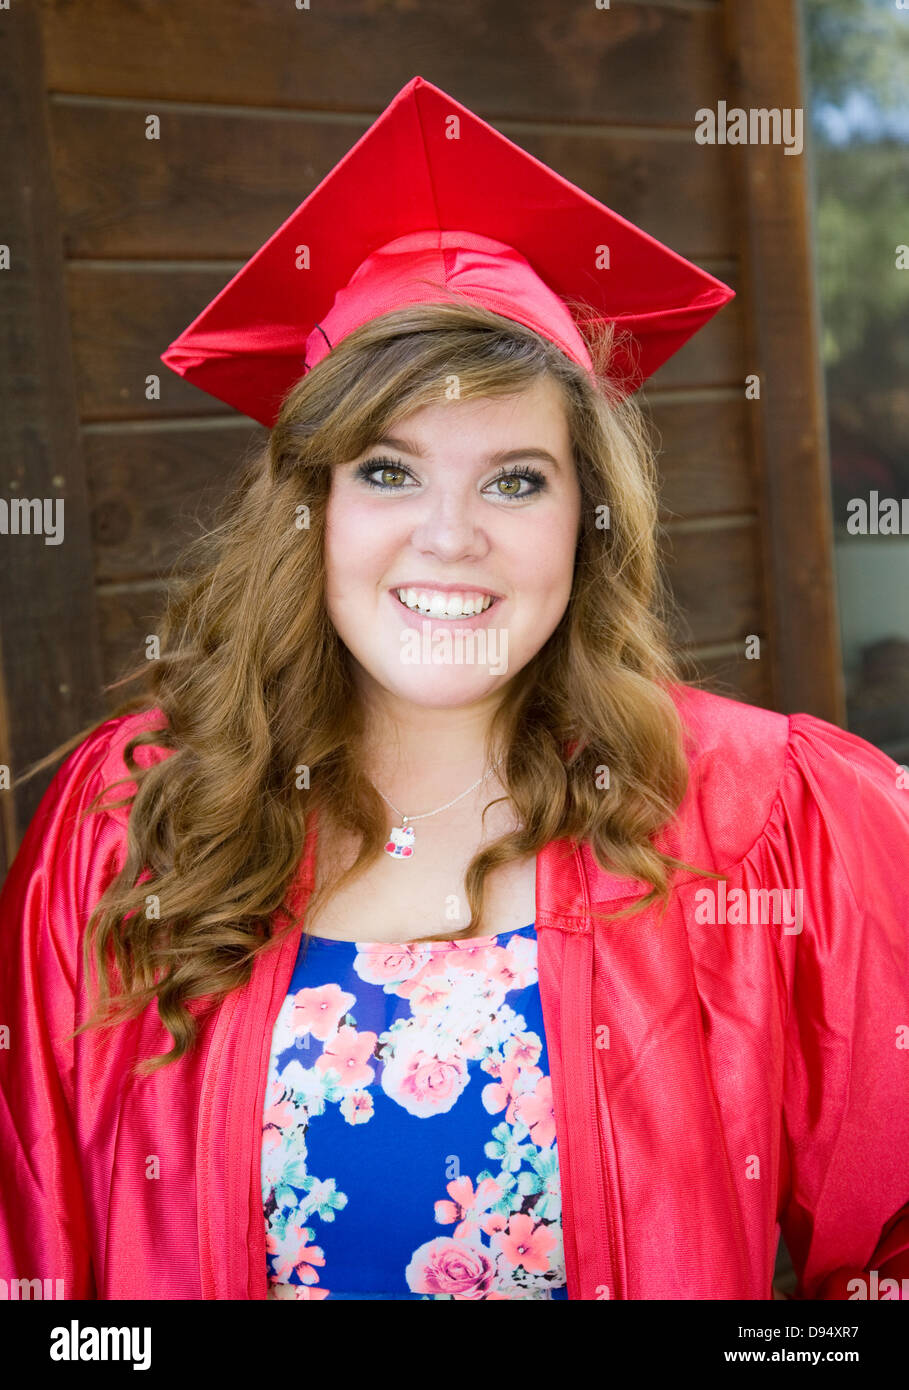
[
  {"x": 466, "y": 1205},
  {"x": 319, "y": 1011},
  {"x": 384, "y": 963},
  {"x": 448, "y": 1016},
  {"x": 422, "y": 1084},
  {"x": 346, "y": 1053},
  {"x": 446, "y": 1266},
  {"x": 528, "y": 1245},
  {"x": 535, "y": 1110}
]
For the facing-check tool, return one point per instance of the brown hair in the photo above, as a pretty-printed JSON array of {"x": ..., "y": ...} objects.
[{"x": 254, "y": 681}]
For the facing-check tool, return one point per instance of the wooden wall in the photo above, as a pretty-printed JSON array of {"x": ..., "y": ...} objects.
[{"x": 118, "y": 241}]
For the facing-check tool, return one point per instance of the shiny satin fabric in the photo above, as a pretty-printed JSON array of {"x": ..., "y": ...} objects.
[
  {"x": 445, "y": 204},
  {"x": 711, "y": 1078}
]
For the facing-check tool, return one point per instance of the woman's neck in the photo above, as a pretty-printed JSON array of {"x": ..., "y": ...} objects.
[{"x": 421, "y": 751}]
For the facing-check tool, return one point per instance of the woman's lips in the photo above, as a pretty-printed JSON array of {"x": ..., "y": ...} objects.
[{"x": 416, "y": 620}]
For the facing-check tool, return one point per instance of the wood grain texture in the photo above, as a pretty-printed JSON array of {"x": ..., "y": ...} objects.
[
  {"x": 634, "y": 63},
  {"x": 217, "y": 183},
  {"x": 789, "y": 430},
  {"x": 152, "y": 490},
  {"x": 49, "y": 657},
  {"x": 704, "y": 459},
  {"x": 714, "y": 572},
  {"x": 127, "y": 615}
]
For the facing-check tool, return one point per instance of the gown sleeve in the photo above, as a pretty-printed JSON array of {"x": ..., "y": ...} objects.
[
  {"x": 59, "y": 873},
  {"x": 840, "y": 831}
]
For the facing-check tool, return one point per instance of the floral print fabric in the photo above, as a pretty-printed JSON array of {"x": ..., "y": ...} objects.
[{"x": 408, "y": 1143}]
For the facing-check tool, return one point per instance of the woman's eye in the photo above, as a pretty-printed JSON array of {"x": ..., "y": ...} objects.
[
  {"x": 387, "y": 469},
  {"x": 392, "y": 477},
  {"x": 508, "y": 484}
]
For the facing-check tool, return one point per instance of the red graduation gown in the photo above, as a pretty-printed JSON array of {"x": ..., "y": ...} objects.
[{"x": 711, "y": 1078}]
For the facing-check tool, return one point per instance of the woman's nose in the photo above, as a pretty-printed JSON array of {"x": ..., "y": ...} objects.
[{"x": 450, "y": 525}]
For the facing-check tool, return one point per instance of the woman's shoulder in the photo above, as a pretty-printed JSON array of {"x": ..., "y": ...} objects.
[
  {"x": 99, "y": 762},
  {"x": 753, "y": 771},
  {"x": 719, "y": 726},
  {"x": 76, "y": 841}
]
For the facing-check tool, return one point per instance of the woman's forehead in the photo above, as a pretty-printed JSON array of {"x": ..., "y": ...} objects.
[{"x": 541, "y": 404}]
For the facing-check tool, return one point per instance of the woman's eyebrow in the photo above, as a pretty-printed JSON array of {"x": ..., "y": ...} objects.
[{"x": 410, "y": 446}]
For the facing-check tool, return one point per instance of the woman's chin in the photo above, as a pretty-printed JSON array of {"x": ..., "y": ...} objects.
[{"x": 440, "y": 689}]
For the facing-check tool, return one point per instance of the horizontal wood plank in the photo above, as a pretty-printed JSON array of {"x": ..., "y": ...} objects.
[
  {"x": 704, "y": 459},
  {"x": 127, "y": 615},
  {"x": 715, "y": 577},
  {"x": 218, "y": 184},
  {"x": 152, "y": 490},
  {"x": 551, "y": 62},
  {"x": 123, "y": 319}
]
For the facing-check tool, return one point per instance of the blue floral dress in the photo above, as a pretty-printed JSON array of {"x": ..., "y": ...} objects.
[{"x": 408, "y": 1142}]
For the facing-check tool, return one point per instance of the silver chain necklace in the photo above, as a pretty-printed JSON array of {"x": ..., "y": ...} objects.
[{"x": 401, "y": 843}]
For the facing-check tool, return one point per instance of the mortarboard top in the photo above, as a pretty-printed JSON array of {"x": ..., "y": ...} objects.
[{"x": 464, "y": 207}]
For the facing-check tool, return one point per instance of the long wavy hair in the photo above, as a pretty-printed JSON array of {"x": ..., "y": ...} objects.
[{"x": 254, "y": 682}]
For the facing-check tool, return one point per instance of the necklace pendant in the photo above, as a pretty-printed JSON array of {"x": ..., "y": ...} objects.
[{"x": 400, "y": 845}]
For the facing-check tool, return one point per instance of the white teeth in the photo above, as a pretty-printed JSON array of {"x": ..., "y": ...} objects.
[{"x": 436, "y": 605}]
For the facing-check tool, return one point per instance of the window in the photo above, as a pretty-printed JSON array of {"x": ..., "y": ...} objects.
[{"x": 856, "y": 55}]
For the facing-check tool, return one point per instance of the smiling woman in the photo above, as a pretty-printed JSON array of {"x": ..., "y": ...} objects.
[
  {"x": 448, "y": 1017},
  {"x": 445, "y": 529},
  {"x": 432, "y": 524}
]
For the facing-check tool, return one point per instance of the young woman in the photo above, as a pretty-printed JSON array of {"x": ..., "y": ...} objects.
[{"x": 463, "y": 949}]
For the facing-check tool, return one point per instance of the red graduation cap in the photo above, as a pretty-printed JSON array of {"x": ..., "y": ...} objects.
[{"x": 431, "y": 193}]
